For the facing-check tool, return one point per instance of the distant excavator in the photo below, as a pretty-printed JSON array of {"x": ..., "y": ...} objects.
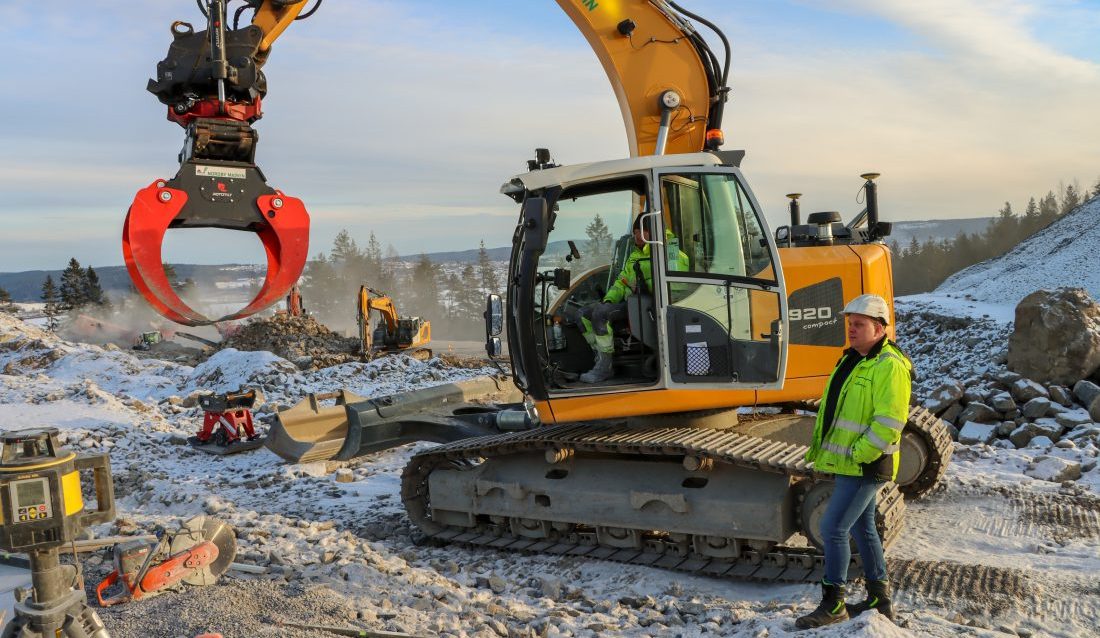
[{"x": 393, "y": 333}]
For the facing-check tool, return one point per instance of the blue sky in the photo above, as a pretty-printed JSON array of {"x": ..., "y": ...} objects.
[{"x": 405, "y": 117}]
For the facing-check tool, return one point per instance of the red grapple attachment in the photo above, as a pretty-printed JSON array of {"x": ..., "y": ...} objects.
[
  {"x": 283, "y": 228},
  {"x": 217, "y": 186}
]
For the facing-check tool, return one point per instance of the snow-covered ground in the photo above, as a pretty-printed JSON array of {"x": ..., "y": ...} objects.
[{"x": 993, "y": 553}]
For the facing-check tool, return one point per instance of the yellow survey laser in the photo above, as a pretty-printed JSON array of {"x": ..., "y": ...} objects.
[{"x": 41, "y": 509}]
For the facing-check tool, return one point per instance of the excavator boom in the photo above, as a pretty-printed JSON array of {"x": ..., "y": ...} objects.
[
  {"x": 647, "y": 50},
  {"x": 213, "y": 85}
]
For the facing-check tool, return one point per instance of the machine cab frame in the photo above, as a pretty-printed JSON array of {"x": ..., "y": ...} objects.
[{"x": 712, "y": 313}]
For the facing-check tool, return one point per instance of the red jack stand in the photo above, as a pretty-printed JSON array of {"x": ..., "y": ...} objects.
[{"x": 227, "y": 424}]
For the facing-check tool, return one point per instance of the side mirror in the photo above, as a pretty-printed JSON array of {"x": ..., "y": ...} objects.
[
  {"x": 493, "y": 347},
  {"x": 562, "y": 278},
  {"x": 536, "y": 222},
  {"x": 783, "y": 233},
  {"x": 573, "y": 252},
  {"x": 494, "y": 316}
]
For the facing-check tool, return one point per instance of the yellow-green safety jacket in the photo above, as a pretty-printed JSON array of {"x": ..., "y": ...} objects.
[
  {"x": 625, "y": 284},
  {"x": 870, "y": 413}
]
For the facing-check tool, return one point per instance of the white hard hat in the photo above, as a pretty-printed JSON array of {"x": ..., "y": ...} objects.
[{"x": 873, "y": 306}]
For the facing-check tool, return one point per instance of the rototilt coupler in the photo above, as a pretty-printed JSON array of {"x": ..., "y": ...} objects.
[{"x": 42, "y": 509}]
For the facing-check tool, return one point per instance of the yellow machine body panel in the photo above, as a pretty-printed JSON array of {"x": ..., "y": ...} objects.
[{"x": 654, "y": 58}]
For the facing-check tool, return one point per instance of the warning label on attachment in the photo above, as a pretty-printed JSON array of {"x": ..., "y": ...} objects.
[{"x": 223, "y": 172}]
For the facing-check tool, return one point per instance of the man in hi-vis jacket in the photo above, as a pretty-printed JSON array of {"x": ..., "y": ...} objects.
[{"x": 856, "y": 437}]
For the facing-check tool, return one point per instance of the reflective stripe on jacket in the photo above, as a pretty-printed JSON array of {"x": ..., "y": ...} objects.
[{"x": 871, "y": 412}]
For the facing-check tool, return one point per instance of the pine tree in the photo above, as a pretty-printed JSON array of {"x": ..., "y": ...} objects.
[
  {"x": 1001, "y": 235},
  {"x": 600, "y": 241},
  {"x": 1030, "y": 222},
  {"x": 1071, "y": 197},
  {"x": 320, "y": 288},
  {"x": 373, "y": 257},
  {"x": 5, "y": 300},
  {"x": 343, "y": 247},
  {"x": 485, "y": 271},
  {"x": 170, "y": 273},
  {"x": 469, "y": 300},
  {"x": 73, "y": 286},
  {"x": 1096, "y": 188},
  {"x": 423, "y": 289},
  {"x": 52, "y": 298},
  {"x": 93, "y": 291},
  {"x": 1048, "y": 209}
]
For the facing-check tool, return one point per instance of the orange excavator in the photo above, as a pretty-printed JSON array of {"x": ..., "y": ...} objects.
[
  {"x": 690, "y": 453},
  {"x": 213, "y": 85},
  {"x": 393, "y": 333}
]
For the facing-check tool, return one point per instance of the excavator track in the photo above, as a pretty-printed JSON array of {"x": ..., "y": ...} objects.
[
  {"x": 559, "y": 445},
  {"x": 933, "y": 437}
]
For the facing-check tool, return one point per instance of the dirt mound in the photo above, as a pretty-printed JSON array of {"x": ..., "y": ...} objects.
[{"x": 301, "y": 340}]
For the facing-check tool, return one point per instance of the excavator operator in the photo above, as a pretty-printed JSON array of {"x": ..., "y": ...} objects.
[{"x": 596, "y": 317}]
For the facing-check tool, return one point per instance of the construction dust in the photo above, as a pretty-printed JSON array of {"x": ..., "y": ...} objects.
[{"x": 303, "y": 341}]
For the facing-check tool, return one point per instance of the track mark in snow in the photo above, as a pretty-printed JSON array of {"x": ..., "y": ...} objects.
[
  {"x": 1066, "y": 517},
  {"x": 975, "y": 589}
]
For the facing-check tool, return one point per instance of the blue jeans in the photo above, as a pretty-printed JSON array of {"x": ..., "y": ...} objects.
[{"x": 851, "y": 510}]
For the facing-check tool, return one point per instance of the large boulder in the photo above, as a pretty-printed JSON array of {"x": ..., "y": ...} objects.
[
  {"x": 1036, "y": 408},
  {"x": 1056, "y": 337},
  {"x": 1002, "y": 402}
]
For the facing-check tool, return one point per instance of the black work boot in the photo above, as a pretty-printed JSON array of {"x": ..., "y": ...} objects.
[
  {"x": 878, "y": 597},
  {"x": 831, "y": 610}
]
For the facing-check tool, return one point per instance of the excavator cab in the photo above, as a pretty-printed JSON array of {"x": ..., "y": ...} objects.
[{"x": 711, "y": 315}]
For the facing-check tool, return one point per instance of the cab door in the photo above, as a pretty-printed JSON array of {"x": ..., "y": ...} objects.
[{"x": 721, "y": 292}]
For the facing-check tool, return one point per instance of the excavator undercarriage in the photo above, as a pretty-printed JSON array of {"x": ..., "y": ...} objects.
[{"x": 710, "y": 501}]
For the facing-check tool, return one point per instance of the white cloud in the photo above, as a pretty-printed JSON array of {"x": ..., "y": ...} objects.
[
  {"x": 384, "y": 118},
  {"x": 992, "y": 34}
]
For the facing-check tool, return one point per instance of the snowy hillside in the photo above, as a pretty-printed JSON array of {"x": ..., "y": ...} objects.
[{"x": 1066, "y": 253}]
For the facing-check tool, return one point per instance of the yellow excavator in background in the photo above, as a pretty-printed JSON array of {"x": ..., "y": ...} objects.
[
  {"x": 690, "y": 456},
  {"x": 393, "y": 333}
]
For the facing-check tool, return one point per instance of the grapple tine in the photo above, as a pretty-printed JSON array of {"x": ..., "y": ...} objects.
[
  {"x": 153, "y": 209},
  {"x": 286, "y": 241}
]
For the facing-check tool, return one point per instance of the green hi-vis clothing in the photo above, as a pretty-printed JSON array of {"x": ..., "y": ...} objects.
[
  {"x": 870, "y": 413},
  {"x": 626, "y": 282}
]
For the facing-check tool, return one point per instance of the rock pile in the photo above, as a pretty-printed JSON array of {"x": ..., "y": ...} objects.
[
  {"x": 1007, "y": 410},
  {"x": 947, "y": 347},
  {"x": 301, "y": 340}
]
